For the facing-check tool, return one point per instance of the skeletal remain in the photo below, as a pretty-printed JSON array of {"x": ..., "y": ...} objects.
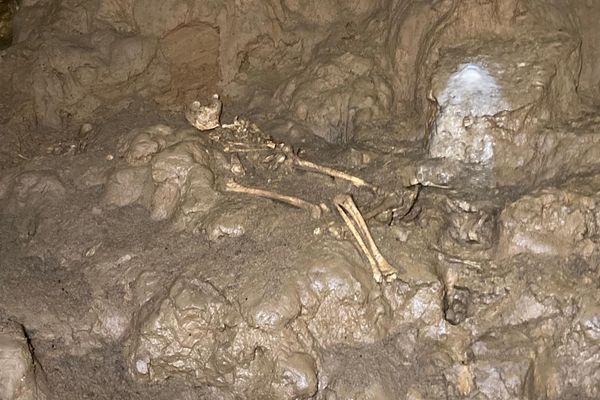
[
  {"x": 312, "y": 167},
  {"x": 361, "y": 244},
  {"x": 229, "y": 149},
  {"x": 255, "y": 141},
  {"x": 204, "y": 117},
  {"x": 237, "y": 168},
  {"x": 286, "y": 154},
  {"x": 388, "y": 203},
  {"x": 455, "y": 260},
  {"x": 395, "y": 203},
  {"x": 238, "y": 125},
  {"x": 242, "y": 137},
  {"x": 380, "y": 267},
  {"x": 314, "y": 210},
  {"x": 320, "y": 169}
]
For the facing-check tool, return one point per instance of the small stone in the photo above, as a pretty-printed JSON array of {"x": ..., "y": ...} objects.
[
  {"x": 124, "y": 259},
  {"x": 414, "y": 394},
  {"x": 400, "y": 234},
  {"x": 299, "y": 375},
  {"x": 141, "y": 366},
  {"x": 96, "y": 211},
  {"x": 85, "y": 129},
  {"x": 92, "y": 250}
]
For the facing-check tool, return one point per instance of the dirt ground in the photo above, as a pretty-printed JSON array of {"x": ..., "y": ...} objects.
[{"x": 465, "y": 132}]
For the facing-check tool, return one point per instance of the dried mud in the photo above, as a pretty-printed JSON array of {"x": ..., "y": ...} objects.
[{"x": 130, "y": 269}]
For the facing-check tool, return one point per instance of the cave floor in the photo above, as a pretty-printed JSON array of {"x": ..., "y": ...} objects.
[{"x": 468, "y": 318}]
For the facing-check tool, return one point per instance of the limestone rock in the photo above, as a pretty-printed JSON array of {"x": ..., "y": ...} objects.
[
  {"x": 194, "y": 331},
  {"x": 167, "y": 171},
  {"x": 268, "y": 344},
  {"x": 331, "y": 11},
  {"x": 553, "y": 222},
  {"x": 33, "y": 189},
  {"x": 28, "y": 196},
  {"x": 487, "y": 101},
  {"x": 341, "y": 299},
  {"x": 298, "y": 376},
  {"x": 140, "y": 145},
  {"x": 335, "y": 94},
  {"x": 188, "y": 324},
  {"x": 514, "y": 78},
  {"x": 21, "y": 377},
  {"x": 129, "y": 186}
]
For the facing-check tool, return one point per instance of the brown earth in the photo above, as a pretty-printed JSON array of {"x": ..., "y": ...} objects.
[{"x": 129, "y": 269}]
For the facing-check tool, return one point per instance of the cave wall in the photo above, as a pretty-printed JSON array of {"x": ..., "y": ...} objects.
[
  {"x": 588, "y": 13},
  {"x": 427, "y": 28},
  {"x": 70, "y": 59}
]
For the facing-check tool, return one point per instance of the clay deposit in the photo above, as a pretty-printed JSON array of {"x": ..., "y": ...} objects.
[{"x": 326, "y": 200}]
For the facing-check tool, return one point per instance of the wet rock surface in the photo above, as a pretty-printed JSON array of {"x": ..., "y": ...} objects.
[
  {"x": 169, "y": 172},
  {"x": 7, "y": 11},
  {"x": 155, "y": 245},
  {"x": 21, "y": 377}
]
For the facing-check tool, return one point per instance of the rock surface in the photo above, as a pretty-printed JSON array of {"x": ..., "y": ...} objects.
[
  {"x": 20, "y": 376},
  {"x": 136, "y": 272},
  {"x": 196, "y": 329},
  {"x": 550, "y": 222},
  {"x": 169, "y": 172}
]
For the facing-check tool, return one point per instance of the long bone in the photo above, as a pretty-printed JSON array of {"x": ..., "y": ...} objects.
[
  {"x": 357, "y": 225},
  {"x": 313, "y": 167},
  {"x": 361, "y": 243},
  {"x": 313, "y": 209}
]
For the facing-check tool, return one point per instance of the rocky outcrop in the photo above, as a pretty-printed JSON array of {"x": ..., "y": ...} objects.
[
  {"x": 169, "y": 172},
  {"x": 21, "y": 377},
  {"x": 267, "y": 341}
]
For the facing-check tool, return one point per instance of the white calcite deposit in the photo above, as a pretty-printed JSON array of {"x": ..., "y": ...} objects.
[{"x": 471, "y": 92}]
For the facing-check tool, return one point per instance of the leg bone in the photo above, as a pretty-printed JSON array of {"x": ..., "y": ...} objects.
[
  {"x": 313, "y": 209},
  {"x": 312, "y": 167},
  {"x": 361, "y": 244},
  {"x": 348, "y": 209}
]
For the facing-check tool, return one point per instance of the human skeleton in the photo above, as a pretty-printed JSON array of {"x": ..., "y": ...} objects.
[{"x": 241, "y": 138}]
